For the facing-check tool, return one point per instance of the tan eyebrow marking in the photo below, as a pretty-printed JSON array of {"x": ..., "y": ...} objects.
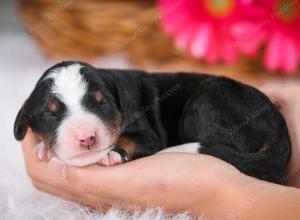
[
  {"x": 53, "y": 106},
  {"x": 263, "y": 148},
  {"x": 128, "y": 145},
  {"x": 98, "y": 96}
]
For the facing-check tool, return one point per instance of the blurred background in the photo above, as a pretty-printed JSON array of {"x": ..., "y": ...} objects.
[{"x": 256, "y": 42}]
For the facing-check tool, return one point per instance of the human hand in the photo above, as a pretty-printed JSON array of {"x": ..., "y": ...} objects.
[
  {"x": 288, "y": 101},
  {"x": 177, "y": 182}
]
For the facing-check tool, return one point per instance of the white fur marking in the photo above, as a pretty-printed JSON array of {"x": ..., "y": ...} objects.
[
  {"x": 184, "y": 148},
  {"x": 69, "y": 86}
]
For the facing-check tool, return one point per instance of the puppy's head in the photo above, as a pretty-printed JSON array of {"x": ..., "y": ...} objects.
[{"x": 74, "y": 109}]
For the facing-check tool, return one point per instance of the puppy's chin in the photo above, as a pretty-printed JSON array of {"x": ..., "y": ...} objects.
[{"x": 87, "y": 158}]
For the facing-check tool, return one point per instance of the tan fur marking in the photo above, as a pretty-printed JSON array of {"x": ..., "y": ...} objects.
[
  {"x": 53, "y": 106},
  {"x": 263, "y": 148},
  {"x": 127, "y": 145},
  {"x": 98, "y": 96}
]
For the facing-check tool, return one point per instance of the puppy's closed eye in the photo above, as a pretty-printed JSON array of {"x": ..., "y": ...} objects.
[{"x": 54, "y": 108}]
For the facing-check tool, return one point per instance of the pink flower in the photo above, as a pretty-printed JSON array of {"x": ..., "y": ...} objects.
[
  {"x": 279, "y": 28},
  {"x": 202, "y": 27}
]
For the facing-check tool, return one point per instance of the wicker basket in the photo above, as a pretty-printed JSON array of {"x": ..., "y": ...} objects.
[{"x": 85, "y": 29}]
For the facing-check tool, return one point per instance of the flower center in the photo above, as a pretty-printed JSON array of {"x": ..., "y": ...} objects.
[
  {"x": 287, "y": 10},
  {"x": 219, "y": 8}
]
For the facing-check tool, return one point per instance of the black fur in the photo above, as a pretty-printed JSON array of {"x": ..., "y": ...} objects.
[{"x": 231, "y": 120}]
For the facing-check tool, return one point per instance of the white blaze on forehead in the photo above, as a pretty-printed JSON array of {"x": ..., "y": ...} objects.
[{"x": 69, "y": 86}]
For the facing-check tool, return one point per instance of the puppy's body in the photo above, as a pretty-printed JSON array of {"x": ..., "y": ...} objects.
[{"x": 145, "y": 113}]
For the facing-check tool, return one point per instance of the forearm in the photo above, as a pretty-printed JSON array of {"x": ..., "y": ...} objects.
[
  {"x": 233, "y": 202},
  {"x": 151, "y": 182},
  {"x": 269, "y": 201},
  {"x": 209, "y": 191},
  {"x": 222, "y": 196},
  {"x": 213, "y": 193},
  {"x": 199, "y": 184}
]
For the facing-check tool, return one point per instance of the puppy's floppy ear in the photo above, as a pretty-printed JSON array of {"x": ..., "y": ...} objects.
[{"x": 22, "y": 122}]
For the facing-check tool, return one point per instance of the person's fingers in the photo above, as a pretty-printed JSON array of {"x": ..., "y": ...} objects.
[
  {"x": 274, "y": 95},
  {"x": 28, "y": 144},
  {"x": 45, "y": 187},
  {"x": 52, "y": 174},
  {"x": 30, "y": 139},
  {"x": 89, "y": 180},
  {"x": 34, "y": 167},
  {"x": 90, "y": 183},
  {"x": 83, "y": 198},
  {"x": 94, "y": 201}
]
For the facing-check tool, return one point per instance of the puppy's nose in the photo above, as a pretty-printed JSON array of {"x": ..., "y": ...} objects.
[{"x": 87, "y": 142}]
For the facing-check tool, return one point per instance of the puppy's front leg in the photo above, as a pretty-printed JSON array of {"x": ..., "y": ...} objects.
[
  {"x": 122, "y": 152},
  {"x": 133, "y": 145}
]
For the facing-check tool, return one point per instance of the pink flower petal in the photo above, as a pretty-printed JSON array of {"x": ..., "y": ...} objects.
[
  {"x": 183, "y": 37},
  {"x": 289, "y": 56},
  {"x": 172, "y": 23},
  {"x": 240, "y": 29},
  {"x": 246, "y": 1},
  {"x": 251, "y": 23},
  {"x": 212, "y": 55},
  {"x": 201, "y": 40},
  {"x": 228, "y": 52},
  {"x": 273, "y": 52},
  {"x": 251, "y": 45}
]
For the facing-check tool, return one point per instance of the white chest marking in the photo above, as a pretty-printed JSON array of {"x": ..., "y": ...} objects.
[{"x": 184, "y": 148}]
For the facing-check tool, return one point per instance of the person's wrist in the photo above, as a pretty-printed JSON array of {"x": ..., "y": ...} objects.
[
  {"x": 245, "y": 194},
  {"x": 219, "y": 189},
  {"x": 239, "y": 195},
  {"x": 282, "y": 95},
  {"x": 290, "y": 100}
]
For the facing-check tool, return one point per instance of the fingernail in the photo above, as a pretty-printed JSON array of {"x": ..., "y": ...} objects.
[{"x": 58, "y": 167}]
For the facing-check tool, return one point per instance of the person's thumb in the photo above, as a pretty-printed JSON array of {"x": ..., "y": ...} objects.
[{"x": 57, "y": 167}]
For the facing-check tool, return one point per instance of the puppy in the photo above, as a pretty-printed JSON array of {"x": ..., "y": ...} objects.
[{"x": 86, "y": 115}]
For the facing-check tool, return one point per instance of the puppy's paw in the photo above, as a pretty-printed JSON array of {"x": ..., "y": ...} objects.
[
  {"x": 110, "y": 159},
  {"x": 41, "y": 151}
]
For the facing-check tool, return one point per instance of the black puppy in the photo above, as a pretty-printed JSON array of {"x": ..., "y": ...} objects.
[{"x": 86, "y": 115}]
